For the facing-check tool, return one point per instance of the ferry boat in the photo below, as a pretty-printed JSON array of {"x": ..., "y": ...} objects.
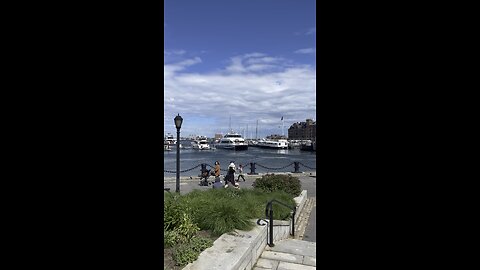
[
  {"x": 232, "y": 141},
  {"x": 200, "y": 143},
  {"x": 276, "y": 144}
]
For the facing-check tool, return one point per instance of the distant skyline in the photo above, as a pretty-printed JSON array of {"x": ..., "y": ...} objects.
[{"x": 246, "y": 60}]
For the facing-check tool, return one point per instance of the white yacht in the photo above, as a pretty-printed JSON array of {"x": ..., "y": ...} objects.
[
  {"x": 276, "y": 144},
  {"x": 200, "y": 143},
  {"x": 252, "y": 142},
  {"x": 233, "y": 141},
  {"x": 169, "y": 139}
]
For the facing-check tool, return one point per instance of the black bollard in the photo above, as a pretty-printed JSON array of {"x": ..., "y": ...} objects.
[
  {"x": 296, "y": 165},
  {"x": 252, "y": 168}
]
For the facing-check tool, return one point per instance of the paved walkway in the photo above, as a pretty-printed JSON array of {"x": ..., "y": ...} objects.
[
  {"x": 289, "y": 254},
  {"x": 310, "y": 233},
  {"x": 187, "y": 184}
]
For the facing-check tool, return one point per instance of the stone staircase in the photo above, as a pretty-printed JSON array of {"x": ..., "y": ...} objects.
[{"x": 289, "y": 254}]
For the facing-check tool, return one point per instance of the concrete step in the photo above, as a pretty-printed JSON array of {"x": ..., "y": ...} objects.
[
  {"x": 294, "y": 266},
  {"x": 289, "y": 254},
  {"x": 264, "y": 264},
  {"x": 281, "y": 256},
  {"x": 295, "y": 247}
]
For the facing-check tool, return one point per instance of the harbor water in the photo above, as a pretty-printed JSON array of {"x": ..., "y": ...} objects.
[{"x": 274, "y": 160}]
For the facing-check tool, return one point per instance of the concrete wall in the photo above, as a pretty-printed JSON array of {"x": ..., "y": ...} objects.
[{"x": 300, "y": 200}]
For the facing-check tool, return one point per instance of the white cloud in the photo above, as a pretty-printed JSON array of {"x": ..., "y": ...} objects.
[
  {"x": 174, "y": 52},
  {"x": 306, "y": 50},
  {"x": 311, "y": 31},
  {"x": 254, "y": 62},
  {"x": 253, "y": 86},
  {"x": 172, "y": 68}
]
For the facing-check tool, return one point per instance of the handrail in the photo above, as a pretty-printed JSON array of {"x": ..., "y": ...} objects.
[{"x": 269, "y": 214}]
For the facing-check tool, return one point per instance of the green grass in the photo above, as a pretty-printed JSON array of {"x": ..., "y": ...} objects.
[
  {"x": 223, "y": 210},
  {"x": 185, "y": 253}
]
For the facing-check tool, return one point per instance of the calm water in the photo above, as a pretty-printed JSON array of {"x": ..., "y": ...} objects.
[{"x": 270, "y": 158}]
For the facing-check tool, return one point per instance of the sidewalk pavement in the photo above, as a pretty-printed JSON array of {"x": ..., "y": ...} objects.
[{"x": 188, "y": 184}]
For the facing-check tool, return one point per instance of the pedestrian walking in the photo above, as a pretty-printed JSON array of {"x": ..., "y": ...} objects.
[
  {"x": 240, "y": 173},
  {"x": 230, "y": 178},
  {"x": 217, "y": 171}
]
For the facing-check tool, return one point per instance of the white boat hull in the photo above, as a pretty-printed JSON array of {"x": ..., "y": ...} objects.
[{"x": 280, "y": 144}]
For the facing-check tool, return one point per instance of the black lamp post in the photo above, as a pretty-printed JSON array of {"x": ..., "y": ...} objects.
[{"x": 178, "y": 124}]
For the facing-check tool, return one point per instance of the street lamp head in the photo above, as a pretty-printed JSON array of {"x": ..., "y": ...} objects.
[{"x": 178, "y": 121}]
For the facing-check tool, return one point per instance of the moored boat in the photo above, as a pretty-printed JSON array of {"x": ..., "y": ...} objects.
[
  {"x": 275, "y": 144},
  {"x": 169, "y": 139},
  {"x": 308, "y": 146},
  {"x": 200, "y": 143},
  {"x": 232, "y": 141}
]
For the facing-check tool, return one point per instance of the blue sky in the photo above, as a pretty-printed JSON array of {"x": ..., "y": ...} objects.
[{"x": 248, "y": 59}]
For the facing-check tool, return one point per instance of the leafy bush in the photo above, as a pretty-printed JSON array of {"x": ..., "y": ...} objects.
[
  {"x": 188, "y": 252},
  {"x": 170, "y": 238},
  {"x": 177, "y": 218},
  {"x": 271, "y": 182}
]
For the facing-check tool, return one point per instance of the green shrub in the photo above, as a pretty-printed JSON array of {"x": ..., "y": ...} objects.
[
  {"x": 172, "y": 209},
  {"x": 170, "y": 238},
  {"x": 223, "y": 217},
  {"x": 177, "y": 218},
  {"x": 187, "y": 227},
  {"x": 221, "y": 210},
  {"x": 272, "y": 182},
  {"x": 188, "y": 252}
]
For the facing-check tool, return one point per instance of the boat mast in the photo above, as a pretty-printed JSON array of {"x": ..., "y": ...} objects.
[{"x": 256, "y": 131}]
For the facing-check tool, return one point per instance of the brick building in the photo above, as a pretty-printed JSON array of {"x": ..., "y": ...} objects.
[{"x": 303, "y": 130}]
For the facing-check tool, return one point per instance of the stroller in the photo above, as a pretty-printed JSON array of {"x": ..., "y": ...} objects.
[{"x": 204, "y": 178}]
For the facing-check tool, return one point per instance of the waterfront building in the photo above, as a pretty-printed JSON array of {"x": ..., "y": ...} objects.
[{"x": 303, "y": 130}]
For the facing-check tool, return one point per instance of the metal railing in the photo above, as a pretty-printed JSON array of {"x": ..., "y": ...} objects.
[
  {"x": 296, "y": 167},
  {"x": 269, "y": 216}
]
